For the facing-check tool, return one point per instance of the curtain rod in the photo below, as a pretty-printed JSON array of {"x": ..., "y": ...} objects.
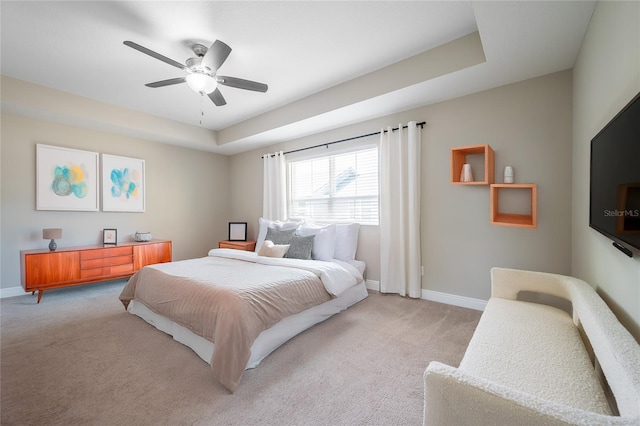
[{"x": 421, "y": 125}]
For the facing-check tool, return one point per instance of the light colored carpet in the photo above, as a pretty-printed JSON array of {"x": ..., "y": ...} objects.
[{"x": 78, "y": 358}]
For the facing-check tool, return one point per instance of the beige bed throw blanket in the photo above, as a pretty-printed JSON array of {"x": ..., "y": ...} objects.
[{"x": 227, "y": 301}]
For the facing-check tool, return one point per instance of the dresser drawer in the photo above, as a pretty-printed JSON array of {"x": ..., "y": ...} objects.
[
  {"x": 122, "y": 269},
  {"x": 94, "y": 272},
  {"x": 93, "y": 263},
  {"x": 94, "y": 254},
  {"x": 121, "y": 260},
  {"x": 121, "y": 251},
  {"x": 106, "y": 252}
]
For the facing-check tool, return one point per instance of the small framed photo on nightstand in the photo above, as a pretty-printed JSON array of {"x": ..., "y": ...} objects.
[
  {"x": 110, "y": 237},
  {"x": 237, "y": 231}
]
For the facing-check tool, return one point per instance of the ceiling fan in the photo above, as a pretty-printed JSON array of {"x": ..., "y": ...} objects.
[{"x": 202, "y": 71}]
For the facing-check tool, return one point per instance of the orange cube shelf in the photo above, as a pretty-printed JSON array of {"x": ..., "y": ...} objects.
[
  {"x": 459, "y": 158},
  {"x": 511, "y": 219}
]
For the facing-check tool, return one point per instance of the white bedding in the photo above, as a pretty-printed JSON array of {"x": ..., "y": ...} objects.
[
  {"x": 335, "y": 279},
  {"x": 345, "y": 283}
]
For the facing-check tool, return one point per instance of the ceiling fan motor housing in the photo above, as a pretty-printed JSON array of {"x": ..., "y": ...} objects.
[
  {"x": 195, "y": 64},
  {"x": 199, "y": 49}
]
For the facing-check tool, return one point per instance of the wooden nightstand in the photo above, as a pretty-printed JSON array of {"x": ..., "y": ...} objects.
[{"x": 238, "y": 245}]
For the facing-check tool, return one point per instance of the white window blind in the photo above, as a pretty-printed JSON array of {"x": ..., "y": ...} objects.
[{"x": 335, "y": 188}]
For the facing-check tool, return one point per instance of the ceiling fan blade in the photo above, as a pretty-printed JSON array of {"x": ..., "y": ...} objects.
[
  {"x": 240, "y": 83},
  {"x": 153, "y": 54},
  {"x": 169, "y": 82},
  {"x": 216, "y": 55},
  {"x": 217, "y": 98}
]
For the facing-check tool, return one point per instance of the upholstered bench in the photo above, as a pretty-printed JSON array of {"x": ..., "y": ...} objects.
[{"x": 529, "y": 363}]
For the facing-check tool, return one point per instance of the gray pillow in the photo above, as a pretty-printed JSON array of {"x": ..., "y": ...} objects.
[
  {"x": 279, "y": 236},
  {"x": 300, "y": 247}
]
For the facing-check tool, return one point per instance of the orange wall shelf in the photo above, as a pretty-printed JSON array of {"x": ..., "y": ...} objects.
[
  {"x": 511, "y": 219},
  {"x": 459, "y": 158}
]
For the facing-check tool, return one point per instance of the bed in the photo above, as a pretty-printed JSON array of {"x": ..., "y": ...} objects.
[{"x": 233, "y": 308}]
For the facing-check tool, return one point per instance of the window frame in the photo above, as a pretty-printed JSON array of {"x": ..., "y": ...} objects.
[{"x": 332, "y": 153}]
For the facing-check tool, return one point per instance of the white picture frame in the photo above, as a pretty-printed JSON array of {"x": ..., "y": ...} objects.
[
  {"x": 123, "y": 184},
  {"x": 66, "y": 179}
]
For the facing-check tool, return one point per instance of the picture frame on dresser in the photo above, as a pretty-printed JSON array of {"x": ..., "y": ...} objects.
[
  {"x": 110, "y": 237},
  {"x": 66, "y": 179},
  {"x": 237, "y": 231}
]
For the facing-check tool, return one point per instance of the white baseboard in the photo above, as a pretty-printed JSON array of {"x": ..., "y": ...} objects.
[
  {"x": 454, "y": 299},
  {"x": 372, "y": 285},
  {"x": 437, "y": 296},
  {"x": 11, "y": 292}
]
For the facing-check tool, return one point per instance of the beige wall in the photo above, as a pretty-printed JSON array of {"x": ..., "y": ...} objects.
[
  {"x": 606, "y": 78},
  {"x": 528, "y": 125},
  {"x": 542, "y": 127},
  {"x": 187, "y": 193}
]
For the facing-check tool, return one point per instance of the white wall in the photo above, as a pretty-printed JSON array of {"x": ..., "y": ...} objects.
[
  {"x": 528, "y": 124},
  {"x": 187, "y": 193},
  {"x": 606, "y": 78}
]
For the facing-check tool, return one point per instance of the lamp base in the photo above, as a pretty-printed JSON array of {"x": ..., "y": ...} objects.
[{"x": 52, "y": 245}]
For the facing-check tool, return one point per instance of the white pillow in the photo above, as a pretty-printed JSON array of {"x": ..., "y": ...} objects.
[
  {"x": 346, "y": 241},
  {"x": 264, "y": 224},
  {"x": 269, "y": 249},
  {"x": 324, "y": 241}
]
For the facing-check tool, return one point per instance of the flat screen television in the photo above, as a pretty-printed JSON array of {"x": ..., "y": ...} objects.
[{"x": 614, "y": 201}]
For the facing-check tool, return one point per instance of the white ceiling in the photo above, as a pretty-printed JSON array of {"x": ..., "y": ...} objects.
[{"x": 300, "y": 49}]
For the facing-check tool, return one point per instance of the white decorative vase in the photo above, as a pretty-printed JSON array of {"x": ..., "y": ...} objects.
[
  {"x": 508, "y": 174},
  {"x": 466, "y": 175}
]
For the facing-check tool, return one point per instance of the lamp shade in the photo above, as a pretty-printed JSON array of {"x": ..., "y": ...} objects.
[
  {"x": 201, "y": 83},
  {"x": 51, "y": 233}
]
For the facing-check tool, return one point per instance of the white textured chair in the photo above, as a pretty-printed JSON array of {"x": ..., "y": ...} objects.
[{"x": 532, "y": 364}]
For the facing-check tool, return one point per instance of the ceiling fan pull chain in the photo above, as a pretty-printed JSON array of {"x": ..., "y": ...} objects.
[{"x": 201, "y": 107}]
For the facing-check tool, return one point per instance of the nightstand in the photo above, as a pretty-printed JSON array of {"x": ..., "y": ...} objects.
[{"x": 238, "y": 245}]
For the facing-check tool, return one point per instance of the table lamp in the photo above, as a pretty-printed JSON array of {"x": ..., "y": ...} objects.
[{"x": 52, "y": 234}]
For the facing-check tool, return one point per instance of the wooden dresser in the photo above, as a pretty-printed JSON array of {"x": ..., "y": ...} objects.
[{"x": 45, "y": 270}]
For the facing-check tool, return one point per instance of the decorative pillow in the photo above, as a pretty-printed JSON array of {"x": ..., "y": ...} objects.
[
  {"x": 269, "y": 249},
  {"x": 346, "y": 241},
  {"x": 280, "y": 236},
  {"x": 264, "y": 224},
  {"x": 323, "y": 243},
  {"x": 300, "y": 247}
]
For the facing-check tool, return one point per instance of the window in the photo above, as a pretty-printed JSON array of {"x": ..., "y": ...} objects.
[{"x": 336, "y": 188}]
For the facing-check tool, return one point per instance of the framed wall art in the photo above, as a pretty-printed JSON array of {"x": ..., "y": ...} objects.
[
  {"x": 123, "y": 186},
  {"x": 66, "y": 179}
]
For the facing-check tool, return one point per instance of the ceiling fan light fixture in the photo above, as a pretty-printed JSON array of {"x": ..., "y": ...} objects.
[
  {"x": 201, "y": 83},
  {"x": 201, "y": 71}
]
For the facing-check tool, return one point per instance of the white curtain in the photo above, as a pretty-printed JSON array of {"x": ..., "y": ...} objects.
[
  {"x": 400, "y": 257},
  {"x": 274, "y": 198}
]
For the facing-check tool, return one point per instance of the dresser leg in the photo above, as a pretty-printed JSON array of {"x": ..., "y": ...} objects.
[{"x": 40, "y": 295}]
